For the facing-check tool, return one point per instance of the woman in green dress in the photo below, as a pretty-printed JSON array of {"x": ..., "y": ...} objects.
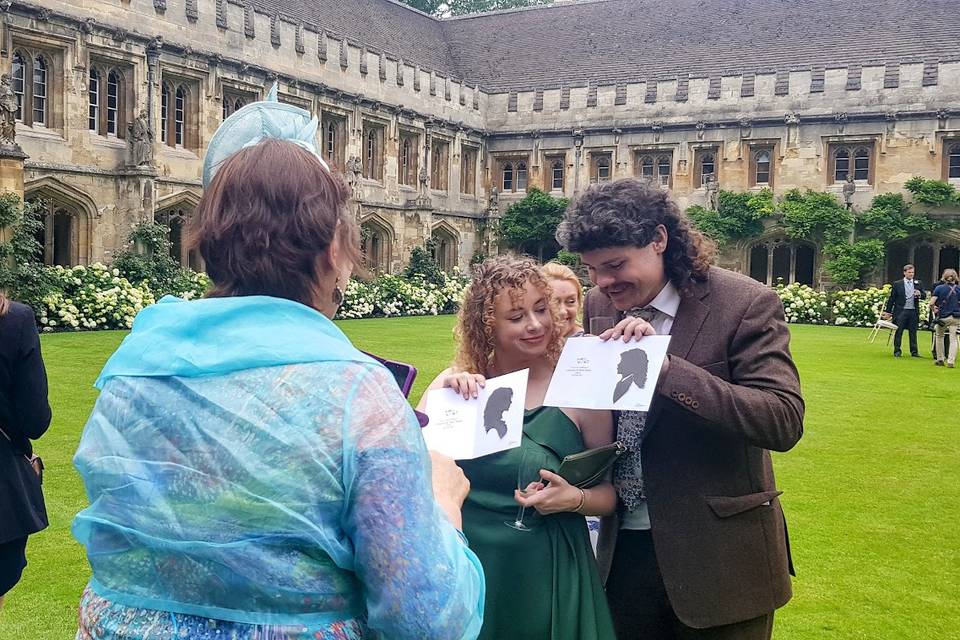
[{"x": 542, "y": 578}]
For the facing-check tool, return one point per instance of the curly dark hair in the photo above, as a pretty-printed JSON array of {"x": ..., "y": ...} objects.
[{"x": 626, "y": 213}]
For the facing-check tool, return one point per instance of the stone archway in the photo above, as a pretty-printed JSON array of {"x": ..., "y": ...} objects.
[
  {"x": 446, "y": 246},
  {"x": 779, "y": 259},
  {"x": 174, "y": 212},
  {"x": 377, "y": 241},
  {"x": 929, "y": 253},
  {"x": 67, "y": 215}
]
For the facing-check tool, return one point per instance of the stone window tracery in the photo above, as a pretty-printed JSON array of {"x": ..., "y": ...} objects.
[
  {"x": 106, "y": 97},
  {"x": 601, "y": 168},
  {"x": 556, "y": 174},
  {"x": 851, "y": 158},
  {"x": 656, "y": 167},
  {"x": 334, "y": 140},
  {"x": 468, "y": 170},
  {"x": 409, "y": 168},
  {"x": 373, "y": 152},
  {"x": 178, "y": 115},
  {"x": 706, "y": 166},
  {"x": 439, "y": 165},
  {"x": 31, "y": 78},
  {"x": 762, "y": 173},
  {"x": 952, "y": 160},
  {"x": 513, "y": 175}
]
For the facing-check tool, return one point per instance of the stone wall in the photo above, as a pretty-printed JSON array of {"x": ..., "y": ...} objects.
[{"x": 904, "y": 112}]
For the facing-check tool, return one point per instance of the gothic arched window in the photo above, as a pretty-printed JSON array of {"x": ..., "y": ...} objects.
[
  {"x": 762, "y": 164},
  {"x": 855, "y": 158},
  {"x": 105, "y": 99},
  {"x": 31, "y": 78},
  {"x": 557, "y": 175},
  {"x": 39, "y": 90},
  {"x": 521, "y": 176},
  {"x": 953, "y": 160},
  {"x": 507, "y": 177}
]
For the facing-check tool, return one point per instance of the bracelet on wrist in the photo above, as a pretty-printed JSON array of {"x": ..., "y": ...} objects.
[{"x": 583, "y": 500}]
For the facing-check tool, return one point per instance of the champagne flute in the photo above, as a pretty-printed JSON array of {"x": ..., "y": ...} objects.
[
  {"x": 599, "y": 324},
  {"x": 531, "y": 461}
]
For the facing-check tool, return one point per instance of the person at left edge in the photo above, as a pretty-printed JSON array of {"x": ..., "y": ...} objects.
[
  {"x": 24, "y": 416},
  {"x": 250, "y": 473}
]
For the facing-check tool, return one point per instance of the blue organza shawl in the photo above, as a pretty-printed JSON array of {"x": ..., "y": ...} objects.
[{"x": 244, "y": 462}]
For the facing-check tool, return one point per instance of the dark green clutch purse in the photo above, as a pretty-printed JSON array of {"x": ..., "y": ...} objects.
[{"x": 587, "y": 468}]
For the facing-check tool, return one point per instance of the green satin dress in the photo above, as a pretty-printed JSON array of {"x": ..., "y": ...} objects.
[{"x": 542, "y": 584}]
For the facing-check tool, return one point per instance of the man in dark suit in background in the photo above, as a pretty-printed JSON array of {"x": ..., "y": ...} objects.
[
  {"x": 698, "y": 547},
  {"x": 903, "y": 306}
]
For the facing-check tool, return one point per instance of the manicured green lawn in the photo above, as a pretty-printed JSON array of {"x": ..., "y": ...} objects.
[{"x": 870, "y": 492}]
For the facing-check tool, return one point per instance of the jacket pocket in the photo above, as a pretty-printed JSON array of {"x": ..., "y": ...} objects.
[{"x": 727, "y": 506}]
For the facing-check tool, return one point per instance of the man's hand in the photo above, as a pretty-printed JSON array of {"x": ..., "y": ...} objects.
[{"x": 629, "y": 328}]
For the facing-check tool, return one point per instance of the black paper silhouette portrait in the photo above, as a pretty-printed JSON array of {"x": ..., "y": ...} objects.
[
  {"x": 497, "y": 404},
  {"x": 633, "y": 371}
]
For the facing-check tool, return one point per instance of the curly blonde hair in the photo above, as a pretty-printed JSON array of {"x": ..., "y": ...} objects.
[
  {"x": 556, "y": 271},
  {"x": 476, "y": 319}
]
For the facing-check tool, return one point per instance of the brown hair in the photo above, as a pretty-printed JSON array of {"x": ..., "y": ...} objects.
[
  {"x": 626, "y": 213},
  {"x": 4, "y": 304},
  {"x": 475, "y": 321},
  {"x": 265, "y": 220}
]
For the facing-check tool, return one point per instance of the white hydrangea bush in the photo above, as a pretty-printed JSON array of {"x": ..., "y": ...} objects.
[
  {"x": 92, "y": 297},
  {"x": 802, "y": 304},
  {"x": 859, "y": 307},
  {"x": 393, "y": 296}
]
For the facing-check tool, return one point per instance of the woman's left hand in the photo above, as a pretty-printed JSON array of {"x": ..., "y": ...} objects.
[{"x": 558, "y": 496}]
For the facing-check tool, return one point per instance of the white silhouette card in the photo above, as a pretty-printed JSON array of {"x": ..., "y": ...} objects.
[
  {"x": 467, "y": 429},
  {"x": 592, "y": 374}
]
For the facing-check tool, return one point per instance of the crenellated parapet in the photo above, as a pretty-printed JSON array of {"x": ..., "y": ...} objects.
[
  {"x": 241, "y": 41},
  {"x": 871, "y": 89}
]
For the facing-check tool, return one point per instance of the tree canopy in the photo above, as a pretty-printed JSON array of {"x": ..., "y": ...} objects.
[{"x": 463, "y": 7}]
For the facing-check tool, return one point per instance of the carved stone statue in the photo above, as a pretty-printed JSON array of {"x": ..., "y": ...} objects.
[
  {"x": 140, "y": 141},
  {"x": 8, "y": 112},
  {"x": 849, "y": 188},
  {"x": 494, "y": 203},
  {"x": 423, "y": 178},
  {"x": 354, "y": 170},
  {"x": 713, "y": 192}
]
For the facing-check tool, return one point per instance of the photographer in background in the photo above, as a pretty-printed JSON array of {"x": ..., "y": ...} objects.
[{"x": 945, "y": 305}]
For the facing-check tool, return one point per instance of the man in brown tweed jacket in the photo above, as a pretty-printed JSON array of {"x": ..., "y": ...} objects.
[{"x": 698, "y": 547}]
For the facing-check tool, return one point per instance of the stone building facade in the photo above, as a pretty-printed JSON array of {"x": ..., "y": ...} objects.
[{"x": 440, "y": 125}]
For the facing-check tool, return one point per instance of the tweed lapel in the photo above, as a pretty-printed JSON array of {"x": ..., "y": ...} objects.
[{"x": 690, "y": 316}]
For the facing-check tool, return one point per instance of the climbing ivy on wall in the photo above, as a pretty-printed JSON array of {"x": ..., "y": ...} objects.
[{"x": 853, "y": 243}]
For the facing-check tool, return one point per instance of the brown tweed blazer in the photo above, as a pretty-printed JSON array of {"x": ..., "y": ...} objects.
[{"x": 731, "y": 394}]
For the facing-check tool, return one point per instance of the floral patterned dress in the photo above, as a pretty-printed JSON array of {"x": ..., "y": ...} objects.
[{"x": 277, "y": 502}]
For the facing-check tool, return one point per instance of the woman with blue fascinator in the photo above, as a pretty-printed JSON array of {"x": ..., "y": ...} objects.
[{"x": 251, "y": 474}]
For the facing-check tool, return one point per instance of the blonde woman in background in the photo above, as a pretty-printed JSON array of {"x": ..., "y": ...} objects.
[{"x": 568, "y": 292}]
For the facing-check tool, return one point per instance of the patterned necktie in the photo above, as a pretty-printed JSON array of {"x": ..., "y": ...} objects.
[{"x": 627, "y": 472}]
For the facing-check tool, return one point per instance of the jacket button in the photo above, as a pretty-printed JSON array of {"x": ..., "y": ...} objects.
[
  {"x": 689, "y": 401},
  {"x": 681, "y": 397},
  {"x": 673, "y": 394},
  {"x": 695, "y": 404}
]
